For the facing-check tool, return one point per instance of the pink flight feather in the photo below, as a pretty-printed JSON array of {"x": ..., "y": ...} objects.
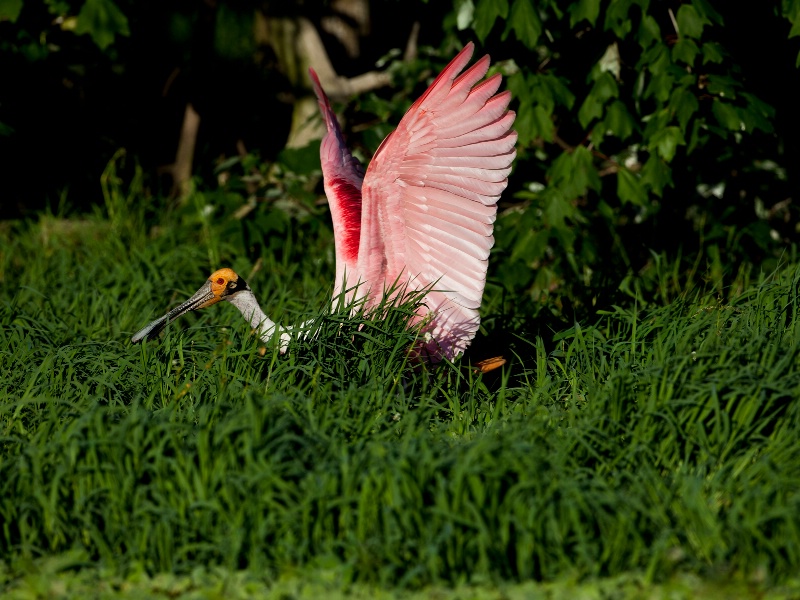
[{"x": 423, "y": 213}]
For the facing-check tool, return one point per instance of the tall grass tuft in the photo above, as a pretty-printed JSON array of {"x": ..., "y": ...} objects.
[{"x": 655, "y": 440}]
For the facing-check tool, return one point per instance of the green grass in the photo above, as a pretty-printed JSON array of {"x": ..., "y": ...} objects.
[
  {"x": 656, "y": 445},
  {"x": 66, "y": 576}
]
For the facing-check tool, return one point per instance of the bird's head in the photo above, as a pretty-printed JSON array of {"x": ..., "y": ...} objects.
[{"x": 223, "y": 284}]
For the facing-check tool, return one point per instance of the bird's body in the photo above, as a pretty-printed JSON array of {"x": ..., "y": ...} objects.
[{"x": 420, "y": 217}]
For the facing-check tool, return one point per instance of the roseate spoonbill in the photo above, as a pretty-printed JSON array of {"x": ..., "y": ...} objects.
[{"x": 421, "y": 216}]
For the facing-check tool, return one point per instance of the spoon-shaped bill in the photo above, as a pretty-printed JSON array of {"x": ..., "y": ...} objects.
[
  {"x": 150, "y": 331},
  {"x": 203, "y": 297}
]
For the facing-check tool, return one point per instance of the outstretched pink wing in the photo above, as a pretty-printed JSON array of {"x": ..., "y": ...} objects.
[
  {"x": 430, "y": 199},
  {"x": 343, "y": 175}
]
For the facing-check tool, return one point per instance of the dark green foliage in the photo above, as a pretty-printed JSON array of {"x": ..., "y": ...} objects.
[{"x": 643, "y": 127}]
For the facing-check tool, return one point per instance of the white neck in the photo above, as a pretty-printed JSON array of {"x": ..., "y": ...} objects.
[{"x": 247, "y": 304}]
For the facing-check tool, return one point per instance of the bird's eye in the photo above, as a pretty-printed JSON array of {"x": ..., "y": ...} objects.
[{"x": 220, "y": 281}]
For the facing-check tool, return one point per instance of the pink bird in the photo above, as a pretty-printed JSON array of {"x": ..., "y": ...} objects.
[{"x": 420, "y": 218}]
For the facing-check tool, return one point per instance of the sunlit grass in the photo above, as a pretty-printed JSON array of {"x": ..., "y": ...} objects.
[
  {"x": 69, "y": 576},
  {"x": 657, "y": 441}
]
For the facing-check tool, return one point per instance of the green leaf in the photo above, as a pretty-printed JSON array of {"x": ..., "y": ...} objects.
[
  {"x": 525, "y": 124},
  {"x": 566, "y": 236},
  {"x": 656, "y": 175},
  {"x": 617, "y": 18},
  {"x": 655, "y": 122},
  {"x": 10, "y": 9},
  {"x": 538, "y": 95},
  {"x": 763, "y": 107},
  {"x": 532, "y": 244},
  {"x": 629, "y": 188},
  {"x": 521, "y": 90},
  {"x": 690, "y": 22},
  {"x": 539, "y": 92},
  {"x": 521, "y": 86},
  {"x": 706, "y": 11},
  {"x": 605, "y": 87},
  {"x": 619, "y": 121},
  {"x": 666, "y": 141},
  {"x": 712, "y": 53},
  {"x": 584, "y": 173},
  {"x": 584, "y": 9},
  {"x": 606, "y": 211},
  {"x": 649, "y": 31},
  {"x": 590, "y": 110},
  {"x": 570, "y": 176},
  {"x": 302, "y": 161},
  {"x": 525, "y": 23},
  {"x": 559, "y": 171},
  {"x": 542, "y": 125},
  {"x": 103, "y": 21},
  {"x": 793, "y": 32},
  {"x": 722, "y": 85},
  {"x": 548, "y": 86},
  {"x": 656, "y": 59},
  {"x": 597, "y": 134},
  {"x": 754, "y": 120},
  {"x": 556, "y": 208},
  {"x": 486, "y": 13},
  {"x": 60, "y": 8},
  {"x": 790, "y": 9},
  {"x": 699, "y": 135},
  {"x": 660, "y": 86},
  {"x": 465, "y": 11},
  {"x": 727, "y": 115},
  {"x": 684, "y": 104},
  {"x": 685, "y": 50}
]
